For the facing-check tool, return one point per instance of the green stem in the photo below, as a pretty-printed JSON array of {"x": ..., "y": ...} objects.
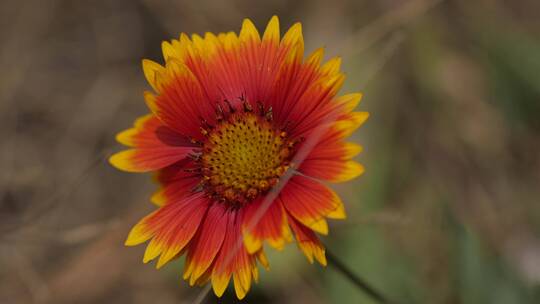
[{"x": 355, "y": 279}]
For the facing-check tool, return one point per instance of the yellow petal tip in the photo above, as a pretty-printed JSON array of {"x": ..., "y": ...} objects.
[
  {"x": 122, "y": 161},
  {"x": 320, "y": 226},
  {"x": 251, "y": 243}
]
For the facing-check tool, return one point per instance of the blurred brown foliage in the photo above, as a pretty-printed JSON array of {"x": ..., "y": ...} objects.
[{"x": 447, "y": 211}]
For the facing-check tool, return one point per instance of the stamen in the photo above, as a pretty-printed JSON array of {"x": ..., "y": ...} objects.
[
  {"x": 204, "y": 132},
  {"x": 194, "y": 156},
  {"x": 242, "y": 97},
  {"x": 286, "y": 126},
  {"x": 220, "y": 115},
  {"x": 206, "y": 124},
  {"x": 261, "y": 108},
  {"x": 247, "y": 107},
  {"x": 193, "y": 140},
  {"x": 269, "y": 115},
  {"x": 231, "y": 108}
]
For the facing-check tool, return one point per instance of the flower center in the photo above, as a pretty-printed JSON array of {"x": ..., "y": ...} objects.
[{"x": 243, "y": 157}]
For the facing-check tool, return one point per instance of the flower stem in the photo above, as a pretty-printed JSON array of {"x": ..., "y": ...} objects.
[{"x": 355, "y": 279}]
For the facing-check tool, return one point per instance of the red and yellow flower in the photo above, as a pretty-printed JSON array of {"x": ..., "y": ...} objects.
[{"x": 236, "y": 119}]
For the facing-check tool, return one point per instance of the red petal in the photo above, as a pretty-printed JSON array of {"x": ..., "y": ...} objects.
[
  {"x": 229, "y": 66},
  {"x": 171, "y": 227},
  {"x": 233, "y": 74},
  {"x": 315, "y": 108},
  {"x": 206, "y": 244},
  {"x": 308, "y": 242},
  {"x": 148, "y": 159},
  {"x": 338, "y": 150},
  {"x": 329, "y": 158},
  {"x": 310, "y": 202},
  {"x": 292, "y": 82},
  {"x": 176, "y": 171},
  {"x": 175, "y": 190},
  {"x": 332, "y": 170},
  {"x": 265, "y": 221},
  {"x": 150, "y": 132},
  {"x": 182, "y": 104},
  {"x": 233, "y": 260}
]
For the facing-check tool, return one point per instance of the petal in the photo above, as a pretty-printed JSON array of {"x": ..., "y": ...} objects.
[
  {"x": 261, "y": 257},
  {"x": 315, "y": 58},
  {"x": 148, "y": 159},
  {"x": 349, "y": 101},
  {"x": 271, "y": 34},
  {"x": 175, "y": 190},
  {"x": 330, "y": 146},
  {"x": 233, "y": 69},
  {"x": 329, "y": 159},
  {"x": 220, "y": 282},
  {"x": 150, "y": 132},
  {"x": 151, "y": 71},
  {"x": 129, "y": 136},
  {"x": 335, "y": 171},
  {"x": 341, "y": 128},
  {"x": 294, "y": 37},
  {"x": 224, "y": 263},
  {"x": 348, "y": 123},
  {"x": 331, "y": 67},
  {"x": 170, "y": 228},
  {"x": 233, "y": 260},
  {"x": 156, "y": 146},
  {"x": 310, "y": 202},
  {"x": 224, "y": 64},
  {"x": 204, "y": 278},
  {"x": 337, "y": 150},
  {"x": 170, "y": 51},
  {"x": 141, "y": 232},
  {"x": 304, "y": 95},
  {"x": 205, "y": 47},
  {"x": 265, "y": 220},
  {"x": 308, "y": 242},
  {"x": 177, "y": 171},
  {"x": 293, "y": 80},
  {"x": 315, "y": 108},
  {"x": 182, "y": 104},
  {"x": 249, "y": 32},
  {"x": 206, "y": 244},
  {"x": 150, "y": 100}
]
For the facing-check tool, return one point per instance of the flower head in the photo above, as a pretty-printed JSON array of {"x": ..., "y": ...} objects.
[{"x": 236, "y": 119}]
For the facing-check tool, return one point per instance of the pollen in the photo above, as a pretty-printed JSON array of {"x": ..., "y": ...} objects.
[{"x": 244, "y": 156}]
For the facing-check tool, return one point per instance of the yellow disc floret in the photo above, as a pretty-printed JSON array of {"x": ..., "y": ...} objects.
[{"x": 243, "y": 157}]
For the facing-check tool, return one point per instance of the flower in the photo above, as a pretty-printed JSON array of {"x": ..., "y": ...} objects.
[{"x": 233, "y": 118}]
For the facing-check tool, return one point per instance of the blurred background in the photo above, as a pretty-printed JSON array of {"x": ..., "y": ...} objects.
[{"x": 448, "y": 209}]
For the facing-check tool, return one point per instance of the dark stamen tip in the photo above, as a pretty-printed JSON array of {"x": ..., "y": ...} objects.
[{"x": 231, "y": 108}]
